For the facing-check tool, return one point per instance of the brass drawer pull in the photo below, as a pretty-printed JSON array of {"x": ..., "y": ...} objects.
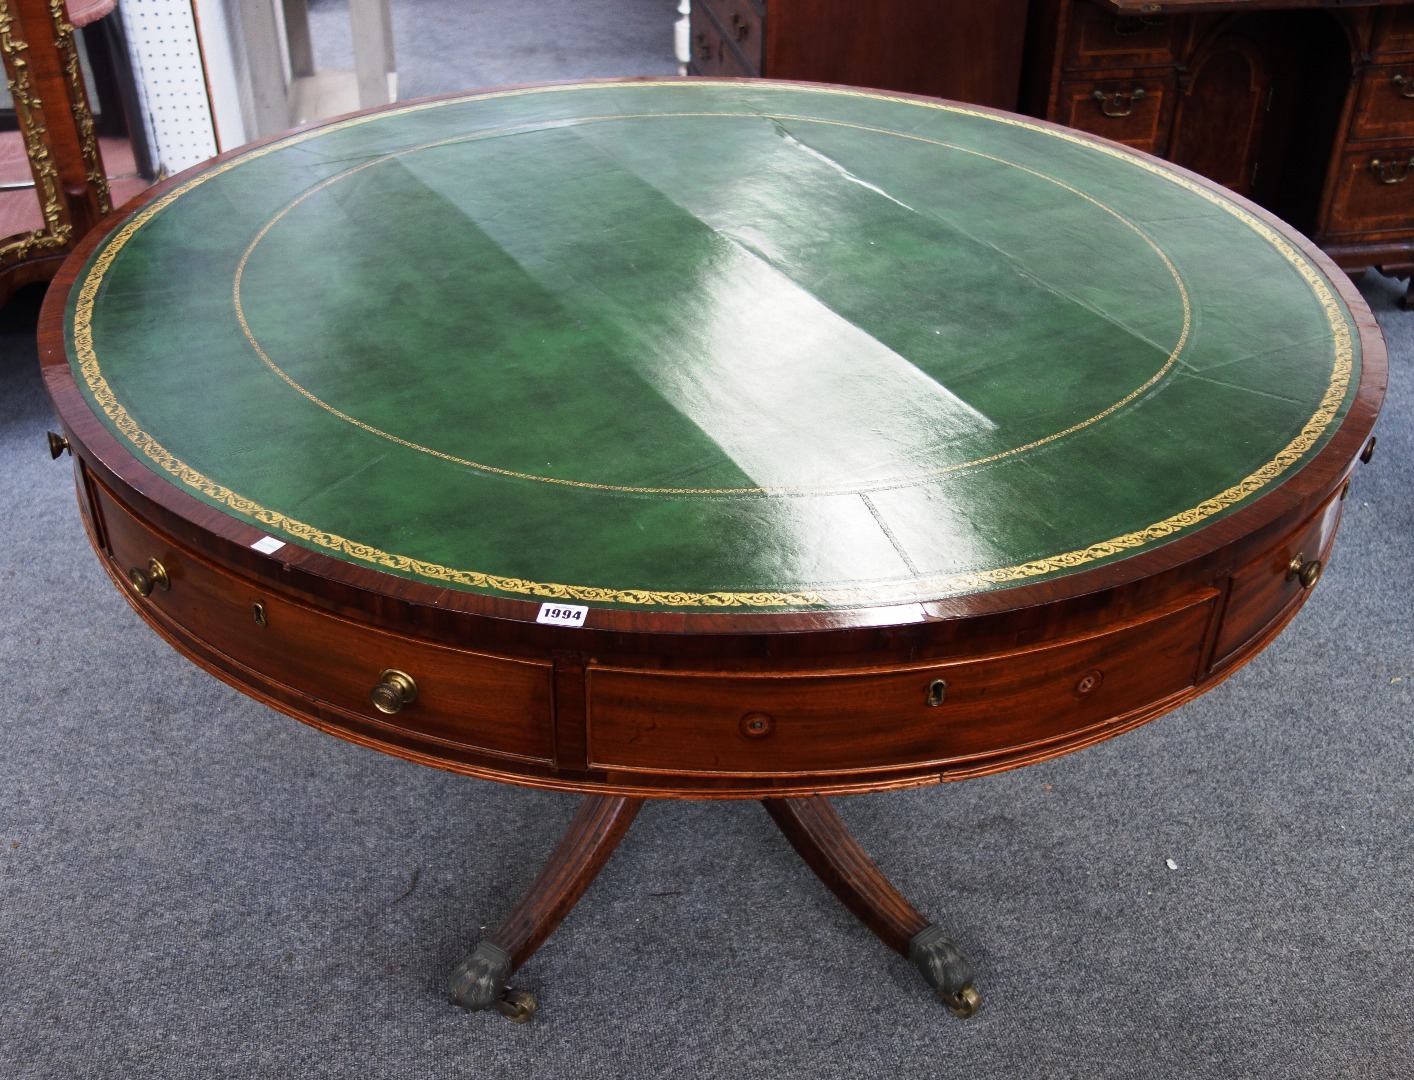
[
  {"x": 1391, "y": 172},
  {"x": 394, "y": 690},
  {"x": 1404, "y": 85},
  {"x": 1119, "y": 103},
  {"x": 154, "y": 576},
  {"x": 1307, "y": 572},
  {"x": 57, "y": 445}
]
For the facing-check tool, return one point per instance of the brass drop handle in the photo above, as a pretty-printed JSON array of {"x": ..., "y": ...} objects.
[
  {"x": 154, "y": 576},
  {"x": 1403, "y": 84},
  {"x": 394, "y": 690},
  {"x": 1119, "y": 103},
  {"x": 57, "y": 445},
  {"x": 1391, "y": 172},
  {"x": 1369, "y": 451},
  {"x": 1308, "y": 572}
]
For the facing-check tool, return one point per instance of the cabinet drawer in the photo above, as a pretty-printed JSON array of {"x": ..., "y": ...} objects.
[
  {"x": 1135, "y": 112},
  {"x": 1268, "y": 588},
  {"x": 741, "y": 23},
  {"x": 1104, "y": 39},
  {"x": 494, "y": 704},
  {"x": 851, "y": 721},
  {"x": 711, "y": 52},
  {"x": 1384, "y": 104},
  {"x": 1394, "y": 31},
  {"x": 1374, "y": 192}
]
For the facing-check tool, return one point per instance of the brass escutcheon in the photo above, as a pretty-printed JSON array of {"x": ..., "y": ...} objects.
[
  {"x": 257, "y": 611},
  {"x": 154, "y": 577},
  {"x": 937, "y": 692},
  {"x": 394, "y": 690},
  {"x": 1304, "y": 571}
]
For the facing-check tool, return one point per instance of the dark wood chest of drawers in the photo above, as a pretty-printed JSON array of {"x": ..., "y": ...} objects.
[{"x": 1307, "y": 108}]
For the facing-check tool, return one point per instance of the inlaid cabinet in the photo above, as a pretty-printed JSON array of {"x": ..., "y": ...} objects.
[{"x": 1307, "y": 108}]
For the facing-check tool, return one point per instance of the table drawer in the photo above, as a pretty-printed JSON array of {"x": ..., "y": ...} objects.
[
  {"x": 494, "y": 704},
  {"x": 1269, "y": 587},
  {"x": 1100, "y": 38},
  {"x": 741, "y": 23},
  {"x": 1374, "y": 192},
  {"x": 1384, "y": 104},
  {"x": 852, "y": 721},
  {"x": 1136, "y": 112},
  {"x": 712, "y": 54}
]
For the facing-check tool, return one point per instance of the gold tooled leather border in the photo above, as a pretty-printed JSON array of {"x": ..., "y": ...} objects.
[{"x": 931, "y": 587}]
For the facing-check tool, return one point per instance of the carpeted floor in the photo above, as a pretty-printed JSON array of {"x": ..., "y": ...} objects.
[{"x": 192, "y": 885}]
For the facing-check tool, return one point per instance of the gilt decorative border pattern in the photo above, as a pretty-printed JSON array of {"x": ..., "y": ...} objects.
[
  {"x": 936, "y": 586},
  {"x": 29, "y": 111}
]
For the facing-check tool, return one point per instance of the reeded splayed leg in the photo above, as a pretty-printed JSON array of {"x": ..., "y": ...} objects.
[
  {"x": 815, "y": 830},
  {"x": 479, "y": 981}
]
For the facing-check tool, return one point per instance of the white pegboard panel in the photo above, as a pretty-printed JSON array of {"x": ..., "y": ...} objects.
[{"x": 171, "y": 83}]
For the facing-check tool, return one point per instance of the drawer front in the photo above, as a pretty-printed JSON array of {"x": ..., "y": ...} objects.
[
  {"x": 1374, "y": 192},
  {"x": 497, "y": 705},
  {"x": 1268, "y": 588},
  {"x": 711, "y": 54},
  {"x": 1384, "y": 104},
  {"x": 1394, "y": 31},
  {"x": 1134, "y": 112},
  {"x": 739, "y": 22},
  {"x": 1104, "y": 39},
  {"x": 849, "y": 722}
]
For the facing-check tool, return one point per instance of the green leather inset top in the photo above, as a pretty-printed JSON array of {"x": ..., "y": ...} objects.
[{"x": 689, "y": 344}]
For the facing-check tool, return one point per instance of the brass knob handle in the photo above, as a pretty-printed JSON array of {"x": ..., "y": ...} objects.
[
  {"x": 1404, "y": 85},
  {"x": 756, "y": 725},
  {"x": 1308, "y": 572},
  {"x": 394, "y": 690},
  {"x": 57, "y": 445},
  {"x": 154, "y": 576},
  {"x": 1118, "y": 104}
]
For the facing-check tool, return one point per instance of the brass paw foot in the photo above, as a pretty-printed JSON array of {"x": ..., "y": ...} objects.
[{"x": 945, "y": 969}]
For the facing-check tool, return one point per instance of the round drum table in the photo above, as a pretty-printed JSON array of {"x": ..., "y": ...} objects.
[{"x": 709, "y": 439}]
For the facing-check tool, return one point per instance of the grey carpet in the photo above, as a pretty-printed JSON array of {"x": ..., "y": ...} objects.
[{"x": 193, "y": 886}]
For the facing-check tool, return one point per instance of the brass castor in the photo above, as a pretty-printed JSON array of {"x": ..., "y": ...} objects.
[
  {"x": 964, "y": 1003},
  {"x": 517, "y": 1006}
]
